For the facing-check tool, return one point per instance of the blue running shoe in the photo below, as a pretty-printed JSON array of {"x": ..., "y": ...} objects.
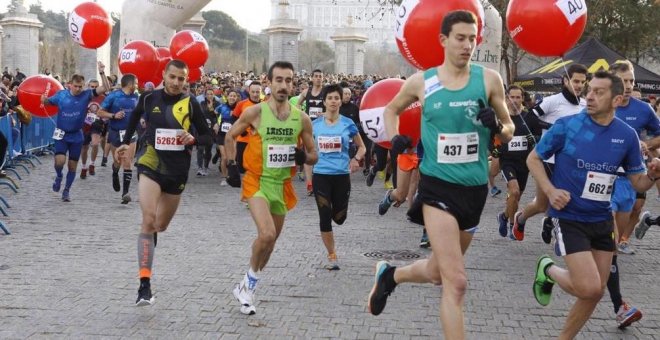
[
  {"x": 57, "y": 184},
  {"x": 501, "y": 219},
  {"x": 379, "y": 292},
  {"x": 65, "y": 195},
  {"x": 494, "y": 191}
]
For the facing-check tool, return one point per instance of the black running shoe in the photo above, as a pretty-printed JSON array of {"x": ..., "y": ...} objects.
[
  {"x": 144, "y": 295},
  {"x": 104, "y": 161},
  {"x": 546, "y": 230},
  {"x": 370, "y": 177},
  {"x": 379, "y": 292},
  {"x": 115, "y": 181}
]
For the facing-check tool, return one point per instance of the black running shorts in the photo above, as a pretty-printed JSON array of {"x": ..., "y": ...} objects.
[
  {"x": 465, "y": 203},
  {"x": 574, "y": 237},
  {"x": 515, "y": 170},
  {"x": 172, "y": 185}
]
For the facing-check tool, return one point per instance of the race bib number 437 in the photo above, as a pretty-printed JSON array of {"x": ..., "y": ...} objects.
[
  {"x": 454, "y": 148},
  {"x": 169, "y": 140}
]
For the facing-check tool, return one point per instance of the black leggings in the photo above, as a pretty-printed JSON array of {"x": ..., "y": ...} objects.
[
  {"x": 332, "y": 193},
  {"x": 204, "y": 155},
  {"x": 381, "y": 162},
  {"x": 240, "y": 149}
]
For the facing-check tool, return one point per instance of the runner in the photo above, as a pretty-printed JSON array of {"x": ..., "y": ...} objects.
[
  {"x": 455, "y": 131},
  {"x": 588, "y": 149},
  {"x": 163, "y": 167},
  {"x": 72, "y": 106},
  {"x": 119, "y": 107},
  {"x": 254, "y": 91},
  {"x": 642, "y": 119},
  {"x": 645, "y": 222},
  {"x": 512, "y": 157},
  {"x": 567, "y": 102},
  {"x": 91, "y": 132},
  {"x": 209, "y": 103},
  {"x": 221, "y": 128},
  {"x": 332, "y": 180},
  {"x": 270, "y": 159},
  {"x": 312, "y": 101}
]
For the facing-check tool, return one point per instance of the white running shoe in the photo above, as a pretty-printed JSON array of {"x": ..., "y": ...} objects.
[{"x": 246, "y": 298}]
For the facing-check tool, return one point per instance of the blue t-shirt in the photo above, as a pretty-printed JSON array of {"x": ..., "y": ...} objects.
[
  {"x": 332, "y": 143},
  {"x": 224, "y": 112},
  {"x": 587, "y": 156},
  {"x": 117, "y": 101},
  {"x": 640, "y": 116},
  {"x": 72, "y": 111}
]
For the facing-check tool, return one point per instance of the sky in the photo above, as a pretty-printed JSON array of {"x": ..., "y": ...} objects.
[{"x": 256, "y": 19}]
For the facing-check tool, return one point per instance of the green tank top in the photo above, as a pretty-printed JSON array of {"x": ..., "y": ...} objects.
[
  {"x": 455, "y": 142},
  {"x": 278, "y": 141}
]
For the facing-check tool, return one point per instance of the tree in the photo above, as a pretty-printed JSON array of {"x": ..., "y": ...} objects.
[{"x": 315, "y": 54}]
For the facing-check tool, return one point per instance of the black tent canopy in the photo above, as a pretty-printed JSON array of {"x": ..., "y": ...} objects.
[{"x": 593, "y": 54}]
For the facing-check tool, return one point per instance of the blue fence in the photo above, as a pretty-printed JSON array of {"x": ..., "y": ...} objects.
[{"x": 23, "y": 144}]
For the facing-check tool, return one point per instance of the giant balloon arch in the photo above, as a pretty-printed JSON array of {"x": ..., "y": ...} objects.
[{"x": 541, "y": 27}]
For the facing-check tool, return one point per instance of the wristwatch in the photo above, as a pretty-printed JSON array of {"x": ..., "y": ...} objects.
[{"x": 231, "y": 162}]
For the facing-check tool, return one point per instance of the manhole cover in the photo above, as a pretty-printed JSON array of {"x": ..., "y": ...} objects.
[
  {"x": 4, "y": 267},
  {"x": 393, "y": 255}
]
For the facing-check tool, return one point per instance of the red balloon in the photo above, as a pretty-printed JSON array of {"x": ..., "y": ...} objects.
[
  {"x": 195, "y": 74},
  {"x": 89, "y": 25},
  {"x": 139, "y": 58},
  {"x": 30, "y": 91},
  {"x": 164, "y": 57},
  {"x": 190, "y": 47},
  {"x": 418, "y": 28},
  {"x": 371, "y": 113},
  {"x": 546, "y": 28}
]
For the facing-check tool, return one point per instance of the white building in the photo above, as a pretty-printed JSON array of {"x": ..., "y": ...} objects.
[{"x": 320, "y": 19}]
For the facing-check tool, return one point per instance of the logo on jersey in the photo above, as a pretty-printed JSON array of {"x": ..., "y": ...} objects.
[
  {"x": 437, "y": 106},
  {"x": 618, "y": 141},
  {"x": 156, "y": 110}
]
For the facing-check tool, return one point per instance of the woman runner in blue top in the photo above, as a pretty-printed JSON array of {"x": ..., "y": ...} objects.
[{"x": 331, "y": 179}]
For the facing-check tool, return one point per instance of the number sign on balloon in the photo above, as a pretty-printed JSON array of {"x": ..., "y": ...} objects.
[
  {"x": 89, "y": 25},
  {"x": 546, "y": 28}
]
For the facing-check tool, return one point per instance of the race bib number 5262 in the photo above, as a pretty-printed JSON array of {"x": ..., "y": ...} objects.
[{"x": 169, "y": 140}]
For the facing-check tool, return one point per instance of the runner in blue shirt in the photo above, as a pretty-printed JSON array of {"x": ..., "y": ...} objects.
[
  {"x": 118, "y": 107},
  {"x": 639, "y": 116},
  {"x": 72, "y": 109},
  {"x": 331, "y": 179},
  {"x": 589, "y": 148}
]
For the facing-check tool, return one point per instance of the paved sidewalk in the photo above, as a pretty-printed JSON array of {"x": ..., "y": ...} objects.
[{"x": 69, "y": 270}]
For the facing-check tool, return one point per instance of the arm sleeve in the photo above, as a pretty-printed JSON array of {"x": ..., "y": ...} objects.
[
  {"x": 198, "y": 119},
  {"x": 552, "y": 141},
  {"x": 135, "y": 118}
]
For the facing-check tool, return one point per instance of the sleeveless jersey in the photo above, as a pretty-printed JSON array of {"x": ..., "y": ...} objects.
[
  {"x": 270, "y": 152},
  {"x": 455, "y": 142},
  {"x": 314, "y": 104}
]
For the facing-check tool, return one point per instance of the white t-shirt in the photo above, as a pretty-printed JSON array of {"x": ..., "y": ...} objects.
[{"x": 556, "y": 106}]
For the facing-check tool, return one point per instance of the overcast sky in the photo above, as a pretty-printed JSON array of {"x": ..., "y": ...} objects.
[{"x": 256, "y": 19}]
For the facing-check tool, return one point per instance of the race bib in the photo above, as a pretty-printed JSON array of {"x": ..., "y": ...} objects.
[
  {"x": 454, "y": 148},
  {"x": 90, "y": 118},
  {"x": 224, "y": 127},
  {"x": 281, "y": 156},
  {"x": 122, "y": 133},
  {"x": 373, "y": 124},
  {"x": 329, "y": 144},
  {"x": 169, "y": 140},
  {"x": 518, "y": 143},
  {"x": 598, "y": 186},
  {"x": 314, "y": 112},
  {"x": 58, "y": 134}
]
